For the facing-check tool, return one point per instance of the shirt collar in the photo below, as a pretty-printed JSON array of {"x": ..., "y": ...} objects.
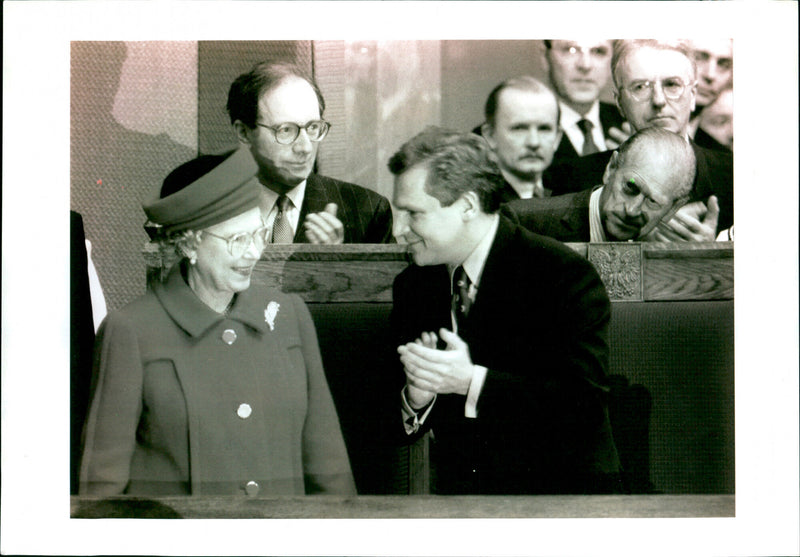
[
  {"x": 269, "y": 197},
  {"x": 596, "y": 231},
  {"x": 192, "y": 315},
  {"x": 476, "y": 260},
  {"x": 570, "y": 117},
  {"x": 516, "y": 184}
]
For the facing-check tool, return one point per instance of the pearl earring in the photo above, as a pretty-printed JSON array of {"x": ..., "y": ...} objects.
[{"x": 193, "y": 260}]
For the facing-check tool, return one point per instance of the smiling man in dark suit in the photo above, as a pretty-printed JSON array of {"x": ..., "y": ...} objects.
[
  {"x": 502, "y": 334},
  {"x": 276, "y": 111}
]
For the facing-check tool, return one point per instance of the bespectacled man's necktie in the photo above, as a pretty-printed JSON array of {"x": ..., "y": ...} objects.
[
  {"x": 461, "y": 301},
  {"x": 281, "y": 228},
  {"x": 589, "y": 146}
]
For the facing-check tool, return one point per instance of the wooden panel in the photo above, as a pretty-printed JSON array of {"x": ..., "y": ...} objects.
[
  {"x": 575, "y": 506},
  {"x": 364, "y": 273},
  {"x": 688, "y": 271}
]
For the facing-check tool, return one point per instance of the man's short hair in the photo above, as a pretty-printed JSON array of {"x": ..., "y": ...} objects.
[
  {"x": 674, "y": 150},
  {"x": 622, "y": 48},
  {"x": 522, "y": 83},
  {"x": 456, "y": 162},
  {"x": 247, "y": 89}
]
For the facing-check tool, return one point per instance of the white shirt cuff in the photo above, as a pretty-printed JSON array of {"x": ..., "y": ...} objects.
[
  {"x": 475, "y": 387},
  {"x": 411, "y": 419}
]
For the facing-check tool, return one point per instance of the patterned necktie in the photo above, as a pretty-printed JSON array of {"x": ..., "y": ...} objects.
[
  {"x": 281, "y": 229},
  {"x": 461, "y": 301},
  {"x": 589, "y": 146}
]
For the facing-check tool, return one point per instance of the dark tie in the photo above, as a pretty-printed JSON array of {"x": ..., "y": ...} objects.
[
  {"x": 281, "y": 228},
  {"x": 588, "y": 143},
  {"x": 461, "y": 302}
]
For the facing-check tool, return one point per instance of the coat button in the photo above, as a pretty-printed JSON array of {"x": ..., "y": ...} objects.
[
  {"x": 244, "y": 410},
  {"x": 229, "y": 336},
  {"x": 252, "y": 488}
]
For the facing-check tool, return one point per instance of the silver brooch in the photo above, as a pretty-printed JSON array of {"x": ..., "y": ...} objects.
[{"x": 270, "y": 313}]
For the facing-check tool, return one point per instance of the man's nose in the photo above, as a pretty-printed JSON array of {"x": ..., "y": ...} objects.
[
  {"x": 633, "y": 206},
  {"x": 532, "y": 138},
  {"x": 584, "y": 61},
  {"x": 712, "y": 71},
  {"x": 400, "y": 227},
  {"x": 302, "y": 143},
  {"x": 659, "y": 99}
]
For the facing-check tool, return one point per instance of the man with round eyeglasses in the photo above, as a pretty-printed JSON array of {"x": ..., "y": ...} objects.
[
  {"x": 656, "y": 86},
  {"x": 277, "y": 113}
]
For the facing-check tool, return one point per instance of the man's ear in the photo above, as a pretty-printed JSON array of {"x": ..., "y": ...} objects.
[
  {"x": 693, "y": 92},
  {"x": 610, "y": 167},
  {"x": 472, "y": 205},
  {"x": 242, "y": 132},
  {"x": 488, "y": 134},
  {"x": 616, "y": 102}
]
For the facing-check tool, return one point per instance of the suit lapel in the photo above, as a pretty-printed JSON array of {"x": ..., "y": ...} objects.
[
  {"x": 314, "y": 201},
  {"x": 565, "y": 149},
  {"x": 576, "y": 215},
  {"x": 493, "y": 285}
]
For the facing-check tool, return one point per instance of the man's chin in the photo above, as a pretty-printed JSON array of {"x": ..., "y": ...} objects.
[
  {"x": 530, "y": 171},
  {"x": 622, "y": 233}
]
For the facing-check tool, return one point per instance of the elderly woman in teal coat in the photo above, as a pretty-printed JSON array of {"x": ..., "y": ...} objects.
[{"x": 209, "y": 384}]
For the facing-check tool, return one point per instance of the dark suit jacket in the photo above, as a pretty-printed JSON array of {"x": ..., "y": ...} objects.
[
  {"x": 609, "y": 118},
  {"x": 714, "y": 176},
  {"x": 563, "y": 217},
  {"x": 366, "y": 215},
  {"x": 539, "y": 324},
  {"x": 508, "y": 193},
  {"x": 81, "y": 341},
  {"x": 702, "y": 139}
]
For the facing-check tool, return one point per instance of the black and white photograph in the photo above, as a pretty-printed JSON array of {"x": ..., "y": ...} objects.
[{"x": 400, "y": 278}]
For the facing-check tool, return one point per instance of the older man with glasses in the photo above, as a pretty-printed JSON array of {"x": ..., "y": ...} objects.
[
  {"x": 656, "y": 85},
  {"x": 276, "y": 112}
]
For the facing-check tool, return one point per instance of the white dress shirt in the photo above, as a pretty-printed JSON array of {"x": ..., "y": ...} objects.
[
  {"x": 596, "y": 231},
  {"x": 569, "y": 123},
  {"x": 473, "y": 265}
]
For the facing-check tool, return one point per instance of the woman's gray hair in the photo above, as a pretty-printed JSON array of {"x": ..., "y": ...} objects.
[{"x": 180, "y": 243}]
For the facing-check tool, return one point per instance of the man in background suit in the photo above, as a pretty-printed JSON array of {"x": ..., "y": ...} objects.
[
  {"x": 276, "y": 111},
  {"x": 521, "y": 127},
  {"x": 714, "y": 60},
  {"x": 656, "y": 86},
  {"x": 645, "y": 183},
  {"x": 507, "y": 365},
  {"x": 579, "y": 70}
]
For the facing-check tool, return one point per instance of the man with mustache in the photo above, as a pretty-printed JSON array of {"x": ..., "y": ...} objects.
[
  {"x": 646, "y": 181},
  {"x": 522, "y": 130},
  {"x": 656, "y": 83},
  {"x": 276, "y": 112},
  {"x": 579, "y": 70}
]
